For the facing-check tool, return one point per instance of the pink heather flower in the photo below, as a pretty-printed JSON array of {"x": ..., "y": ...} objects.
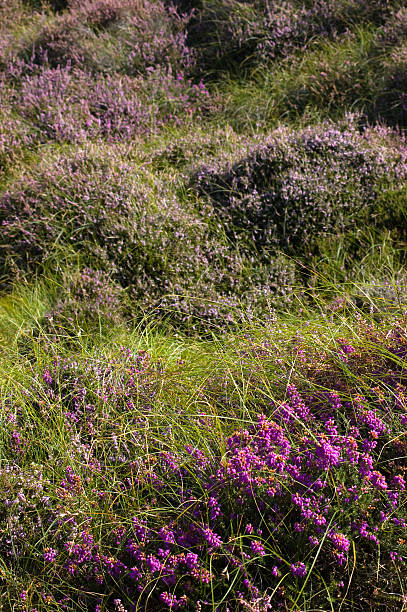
[
  {"x": 340, "y": 541},
  {"x": 135, "y": 573},
  {"x": 169, "y": 599},
  {"x": 257, "y": 547},
  {"x": 214, "y": 506},
  {"x": 298, "y": 569},
  {"x": 50, "y": 554}
]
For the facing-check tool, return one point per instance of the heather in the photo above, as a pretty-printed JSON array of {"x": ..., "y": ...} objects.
[
  {"x": 163, "y": 255},
  {"x": 143, "y": 493},
  {"x": 245, "y": 246},
  {"x": 296, "y": 186},
  {"x": 203, "y": 294},
  {"x": 231, "y": 34}
]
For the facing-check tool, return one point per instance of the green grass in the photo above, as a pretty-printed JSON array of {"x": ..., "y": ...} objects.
[
  {"x": 222, "y": 382},
  {"x": 114, "y": 419}
]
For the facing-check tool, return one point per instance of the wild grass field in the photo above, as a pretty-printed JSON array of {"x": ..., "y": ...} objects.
[{"x": 203, "y": 307}]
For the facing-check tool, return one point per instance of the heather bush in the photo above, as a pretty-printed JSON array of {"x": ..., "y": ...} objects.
[
  {"x": 104, "y": 69},
  {"x": 298, "y": 499},
  {"x": 83, "y": 200},
  {"x": 86, "y": 298},
  {"x": 166, "y": 255},
  {"x": 229, "y": 33},
  {"x": 55, "y": 5},
  {"x": 67, "y": 104},
  {"x": 70, "y": 105},
  {"x": 114, "y": 36},
  {"x": 203, "y": 306},
  {"x": 101, "y": 13},
  {"x": 299, "y": 186}
]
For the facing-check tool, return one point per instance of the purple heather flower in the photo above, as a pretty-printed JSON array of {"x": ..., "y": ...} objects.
[
  {"x": 298, "y": 569},
  {"x": 191, "y": 560},
  {"x": 166, "y": 535},
  {"x": 47, "y": 377},
  {"x": 153, "y": 563},
  {"x": 340, "y": 541},
  {"x": 399, "y": 482},
  {"x": 50, "y": 554},
  {"x": 171, "y": 600},
  {"x": 257, "y": 547},
  {"x": 211, "y": 537}
]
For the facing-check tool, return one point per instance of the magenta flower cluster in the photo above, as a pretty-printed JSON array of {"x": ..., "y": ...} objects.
[{"x": 312, "y": 481}]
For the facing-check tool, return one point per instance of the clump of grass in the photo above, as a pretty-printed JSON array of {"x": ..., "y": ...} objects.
[
  {"x": 360, "y": 71},
  {"x": 231, "y": 36}
]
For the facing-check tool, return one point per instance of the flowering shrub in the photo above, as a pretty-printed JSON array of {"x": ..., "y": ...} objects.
[
  {"x": 296, "y": 187},
  {"x": 227, "y": 32},
  {"x": 107, "y": 69},
  {"x": 261, "y": 469},
  {"x": 86, "y": 298},
  {"x": 82, "y": 200},
  {"x": 309, "y": 492},
  {"x": 115, "y": 35},
  {"x": 167, "y": 256},
  {"x": 67, "y": 104}
]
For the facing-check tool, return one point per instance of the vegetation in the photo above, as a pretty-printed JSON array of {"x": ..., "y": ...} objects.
[{"x": 203, "y": 333}]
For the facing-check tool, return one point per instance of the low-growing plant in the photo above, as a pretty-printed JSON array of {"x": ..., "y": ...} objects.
[
  {"x": 114, "y": 36},
  {"x": 299, "y": 186},
  {"x": 167, "y": 255},
  {"x": 229, "y": 34},
  {"x": 203, "y": 306},
  {"x": 167, "y": 505},
  {"x": 67, "y": 104}
]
